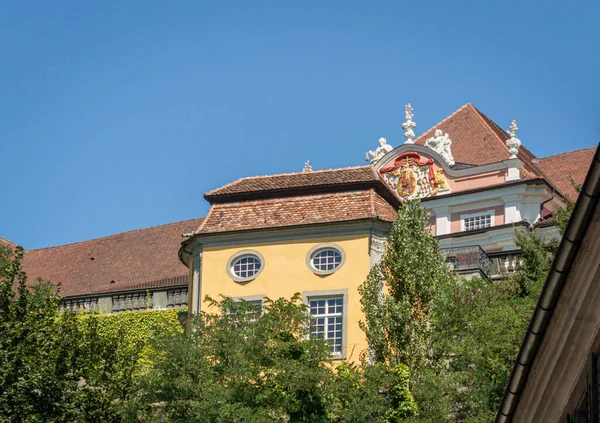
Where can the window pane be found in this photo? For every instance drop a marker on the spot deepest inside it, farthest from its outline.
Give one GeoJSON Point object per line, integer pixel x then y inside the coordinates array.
{"type": "Point", "coordinates": [328, 324]}
{"type": "Point", "coordinates": [246, 266]}
{"type": "Point", "coordinates": [326, 260]}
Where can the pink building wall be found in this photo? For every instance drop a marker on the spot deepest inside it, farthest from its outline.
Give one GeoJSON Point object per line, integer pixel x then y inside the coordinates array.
{"type": "Point", "coordinates": [455, 217]}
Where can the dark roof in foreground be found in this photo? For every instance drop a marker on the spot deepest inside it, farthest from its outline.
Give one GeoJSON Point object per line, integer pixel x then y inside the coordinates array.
{"type": "Point", "coordinates": [142, 258]}
{"type": "Point", "coordinates": [567, 253]}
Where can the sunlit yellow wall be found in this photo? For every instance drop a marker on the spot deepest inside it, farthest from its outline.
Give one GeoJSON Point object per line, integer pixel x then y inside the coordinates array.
{"type": "Point", "coordinates": [285, 273]}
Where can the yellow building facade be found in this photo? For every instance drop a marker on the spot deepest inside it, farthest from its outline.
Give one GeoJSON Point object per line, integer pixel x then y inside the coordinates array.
{"type": "Point", "coordinates": [323, 262]}
{"type": "Point", "coordinates": [287, 271]}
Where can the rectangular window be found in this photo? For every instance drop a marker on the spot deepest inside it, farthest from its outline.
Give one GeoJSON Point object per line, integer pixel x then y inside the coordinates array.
{"type": "Point", "coordinates": [327, 321]}
{"type": "Point", "coordinates": [252, 306]}
{"type": "Point", "coordinates": [475, 221]}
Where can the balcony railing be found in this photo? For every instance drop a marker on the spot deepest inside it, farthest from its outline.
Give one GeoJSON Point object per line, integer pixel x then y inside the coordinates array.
{"type": "Point", "coordinates": [469, 261]}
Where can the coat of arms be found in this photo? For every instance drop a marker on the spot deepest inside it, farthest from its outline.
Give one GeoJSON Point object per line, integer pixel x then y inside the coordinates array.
{"type": "Point", "coordinates": [413, 176]}
{"type": "Point", "coordinates": [407, 181]}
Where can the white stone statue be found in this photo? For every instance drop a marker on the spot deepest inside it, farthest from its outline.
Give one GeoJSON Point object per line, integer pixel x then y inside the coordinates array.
{"type": "Point", "coordinates": [440, 143]}
{"type": "Point", "coordinates": [513, 143]}
{"type": "Point", "coordinates": [382, 150]}
{"type": "Point", "coordinates": [409, 125]}
{"type": "Point", "coordinates": [307, 167]}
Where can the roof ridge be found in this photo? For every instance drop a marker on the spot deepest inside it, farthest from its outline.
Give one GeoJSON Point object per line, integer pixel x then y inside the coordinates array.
{"type": "Point", "coordinates": [285, 174]}
{"type": "Point", "coordinates": [564, 152]}
{"type": "Point", "coordinates": [443, 120]}
{"type": "Point", "coordinates": [112, 235]}
{"type": "Point", "coordinates": [480, 115]}
{"type": "Point", "coordinates": [210, 210]}
{"type": "Point", "coordinates": [301, 172]}
{"type": "Point", "coordinates": [8, 241]}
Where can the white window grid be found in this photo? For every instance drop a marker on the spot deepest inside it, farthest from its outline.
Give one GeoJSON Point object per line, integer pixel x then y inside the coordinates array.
{"type": "Point", "coordinates": [327, 260]}
{"type": "Point", "coordinates": [478, 222]}
{"type": "Point", "coordinates": [254, 306]}
{"type": "Point", "coordinates": [327, 321]}
{"type": "Point", "coordinates": [246, 266]}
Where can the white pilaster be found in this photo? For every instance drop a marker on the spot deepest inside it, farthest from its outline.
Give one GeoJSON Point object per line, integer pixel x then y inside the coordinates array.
{"type": "Point", "coordinates": [196, 282]}
{"type": "Point", "coordinates": [514, 169]}
{"type": "Point", "coordinates": [377, 249]}
{"type": "Point", "coordinates": [511, 209]}
{"type": "Point", "coordinates": [442, 221]}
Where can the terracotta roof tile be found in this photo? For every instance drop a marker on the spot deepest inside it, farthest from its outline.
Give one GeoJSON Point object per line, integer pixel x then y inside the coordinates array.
{"type": "Point", "coordinates": [561, 168]}
{"type": "Point", "coordinates": [383, 209]}
{"type": "Point", "coordinates": [287, 181]}
{"type": "Point", "coordinates": [476, 139]}
{"type": "Point", "coordinates": [142, 258]}
{"type": "Point", "coordinates": [298, 210]}
{"type": "Point", "coordinates": [6, 243]}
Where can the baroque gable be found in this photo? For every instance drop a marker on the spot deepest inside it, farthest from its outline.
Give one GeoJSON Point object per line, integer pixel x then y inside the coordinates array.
{"type": "Point", "coordinates": [413, 171]}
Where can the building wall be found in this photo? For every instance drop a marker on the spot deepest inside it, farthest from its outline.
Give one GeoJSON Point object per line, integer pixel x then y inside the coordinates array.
{"type": "Point", "coordinates": [455, 217]}
{"type": "Point", "coordinates": [286, 273]}
{"type": "Point", "coordinates": [465, 183]}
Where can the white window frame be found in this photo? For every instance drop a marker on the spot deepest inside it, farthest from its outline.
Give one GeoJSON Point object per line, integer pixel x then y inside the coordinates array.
{"type": "Point", "coordinates": [326, 295]}
{"type": "Point", "coordinates": [252, 299]}
{"type": "Point", "coordinates": [238, 255]}
{"type": "Point", "coordinates": [463, 217]}
{"type": "Point", "coordinates": [317, 249]}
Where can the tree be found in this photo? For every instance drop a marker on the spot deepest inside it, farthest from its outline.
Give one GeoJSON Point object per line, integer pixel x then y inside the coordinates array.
{"type": "Point", "coordinates": [238, 363]}
{"type": "Point", "coordinates": [52, 366]}
{"type": "Point", "coordinates": [460, 337]}
{"type": "Point", "coordinates": [399, 294]}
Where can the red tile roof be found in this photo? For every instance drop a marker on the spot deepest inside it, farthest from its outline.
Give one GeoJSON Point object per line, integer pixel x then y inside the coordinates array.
{"type": "Point", "coordinates": [288, 182]}
{"type": "Point", "coordinates": [298, 210]}
{"type": "Point", "coordinates": [6, 243]}
{"type": "Point", "coordinates": [476, 139]}
{"type": "Point", "coordinates": [564, 167]}
{"type": "Point", "coordinates": [143, 258]}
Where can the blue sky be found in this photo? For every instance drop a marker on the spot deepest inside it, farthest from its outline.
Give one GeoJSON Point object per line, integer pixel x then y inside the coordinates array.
{"type": "Point", "coordinates": [117, 115]}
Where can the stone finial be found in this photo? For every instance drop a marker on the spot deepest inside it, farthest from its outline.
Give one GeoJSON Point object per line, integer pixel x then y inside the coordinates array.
{"type": "Point", "coordinates": [409, 125]}
{"type": "Point", "coordinates": [307, 167]}
{"type": "Point", "coordinates": [513, 143]}
{"type": "Point", "coordinates": [374, 156]}
{"type": "Point", "coordinates": [441, 143]}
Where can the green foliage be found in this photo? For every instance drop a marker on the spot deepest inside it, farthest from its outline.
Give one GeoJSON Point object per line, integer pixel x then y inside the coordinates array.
{"type": "Point", "coordinates": [476, 327]}
{"type": "Point", "coordinates": [135, 329]}
{"type": "Point", "coordinates": [478, 334]}
{"type": "Point", "coordinates": [372, 393]}
{"type": "Point", "coordinates": [398, 296]}
{"type": "Point", "coordinates": [63, 367]}
{"type": "Point", "coordinates": [241, 364]}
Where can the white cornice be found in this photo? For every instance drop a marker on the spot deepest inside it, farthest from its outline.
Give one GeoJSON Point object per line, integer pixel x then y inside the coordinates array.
{"type": "Point", "coordinates": [455, 173]}
{"type": "Point", "coordinates": [275, 234]}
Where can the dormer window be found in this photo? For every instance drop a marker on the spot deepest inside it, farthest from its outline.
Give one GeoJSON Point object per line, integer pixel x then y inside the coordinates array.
{"type": "Point", "coordinates": [475, 221]}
